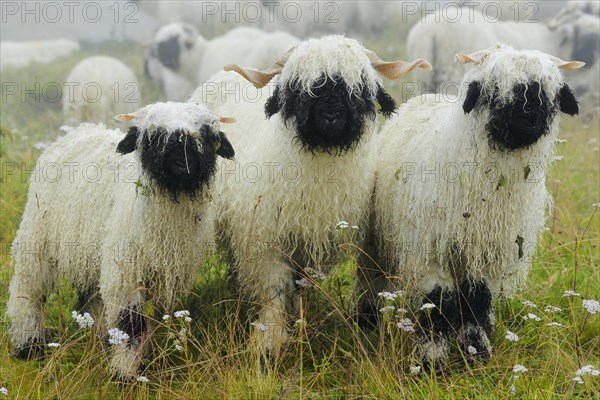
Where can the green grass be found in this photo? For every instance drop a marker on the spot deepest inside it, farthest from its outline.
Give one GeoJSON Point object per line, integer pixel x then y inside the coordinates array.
{"type": "Point", "coordinates": [328, 357]}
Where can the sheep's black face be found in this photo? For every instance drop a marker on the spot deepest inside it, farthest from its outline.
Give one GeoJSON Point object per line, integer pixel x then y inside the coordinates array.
{"type": "Point", "coordinates": [169, 52]}
{"type": "Point", "coordinates": [181, 164]}
{"type": "Point", "coordinates": [527, 118]}
{"type": "Point", "coordinates": [330, 120]}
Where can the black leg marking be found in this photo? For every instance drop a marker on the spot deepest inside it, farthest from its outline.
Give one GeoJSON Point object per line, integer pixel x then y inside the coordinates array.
{"type": "Point", "coordinates": [33, 350]}
{"type": "Point", "coordinates": [436, 326]}
{"type": "Point", "coordinates": [133, 323]}
{"type": "Point", "coordinates": [476, 313]}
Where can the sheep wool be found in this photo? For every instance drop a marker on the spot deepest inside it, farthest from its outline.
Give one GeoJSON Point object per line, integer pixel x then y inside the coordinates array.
{"type": "Point", "coordinates": [460, 200]}
{"type": "Point", "coordinates": [128, 217]}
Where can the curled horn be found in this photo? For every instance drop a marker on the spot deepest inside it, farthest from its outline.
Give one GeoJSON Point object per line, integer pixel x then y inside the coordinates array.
{"type": "Point", "coordinates": [568, 65]}
{"type": "Point", "coordinates": [261, 78]}
{"type": "Point", "coordinates": [476, 57]}
{"type": "Point", "coordinates": [395, 69]}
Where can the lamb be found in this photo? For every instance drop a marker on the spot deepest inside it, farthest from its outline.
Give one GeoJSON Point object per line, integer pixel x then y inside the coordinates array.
{"type": "Point", "coordinates": [460, 200]}
{"type": "Point", "coordinates": [21, 54]}
{"type": "Point", "coordinates": [124, 217]}
{"type": "Point", "coordinates": [302, 170]}
{"type": "Point", "coordinates": [97, 88]}
{"type": "Point", "coordinates": [188, 57]}
{"type": "Point", "coordinates": [439, 41]}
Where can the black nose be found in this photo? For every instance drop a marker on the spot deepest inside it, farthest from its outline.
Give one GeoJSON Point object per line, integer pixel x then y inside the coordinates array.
{"type": "Point", "coordinates": [331, 120]}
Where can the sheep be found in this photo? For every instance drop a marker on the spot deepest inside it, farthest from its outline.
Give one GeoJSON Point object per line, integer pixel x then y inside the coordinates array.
{"type": "Point", "coordinates": [21, 54]}
{"type": "Point", "coordinates": [310, 166]}
{"type": "Point", "coordinates": [123, 217]}
{"type": "Point", "coordinates": [97, 88]}
{"type": "Point", "coordinates": [460, 200]}
{"type": "Point", "coordinates": [439, 41]}
{"type": "Point", "coordinates": [193, 59]}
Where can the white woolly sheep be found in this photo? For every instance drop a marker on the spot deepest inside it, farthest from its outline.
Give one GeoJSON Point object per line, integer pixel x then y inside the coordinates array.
{"type": "Point", "coordinates": [460, 200]}
{"type": "Point", "coordinates": [192, 58]}
{"type": "Point", "coordinates": [439, 41]}
{"type": "Point", "coordinates": [310, 162]}
{"type": "Point", "coordinates": [125, 216]}
{"type": "Point", "coordinates": [97, 88]}
{"type": "Point", "coordinates": [21, 54]}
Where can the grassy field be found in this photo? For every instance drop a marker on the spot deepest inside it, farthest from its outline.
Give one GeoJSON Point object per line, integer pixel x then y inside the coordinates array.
{"type": "Point", "coordinates": [328, 357]}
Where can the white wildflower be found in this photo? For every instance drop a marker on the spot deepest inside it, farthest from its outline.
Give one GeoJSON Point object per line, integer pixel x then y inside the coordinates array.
{"type": "Point", "coordinates": [472, 350]}
{"type": "Point", "coordinates": [578, 380]}
{"type": "Point", "coordinates": [529, 304]}
{"type": "Point", "coordinates": [587, 370]}
{"type": "Point", "coordinates": [183, 332]}
{"type": "Point", "coordinates": [401, 311]}
{"type": "Point", "coordinates": [532, 316]}
{"type": "Point", "coordinates": [552, 309]}
{"type": "Point", "coordinates": [317, 275]}
{"type": "Point", "coordinates": [188, 319]}
{"type": "Point", "coordinates": [415, 370]}
{"type": "Point", "coordinates": [166, 317]}
{"type": "Point", "coordinates": [355, 227]}
{"type": "Point", "coordinates": [55, 345]}
{"type": "Point", "coordinates": [592, 306]}
{"type": "Point", "coordinates": [41, 146]}
{"type": "Point", "coordinates": [304, 283]}
{"type": "Point", "coordinates": [387, 295]}
{"type": "Point", "coordinates": [554, 324]}
{"type": "Point", "coordinates": [570, 293]}
{"type": "Point", "coordinates": [4, 391]}
{"type": "Point", "coordinates": [427, 306]}
{"type": "Point", "coordinates": [406, 325]}
{"type": "Point", "coordinates": [84, 321]}
{"type": "Point", "coordinates": [299, 322]}
{"type": "Point", "coordinates": [143, 379]}
{"type": "Point", "coordinates": [596, 205]}
{"type": "Point", "coordinates": [260, 326]}
{"type": "Point", "coordinates": [342, 225]}
{"type": "Point", "coordinates": [387, 308]}
{"type": "Point", "coordinates": [513, 390]}
{"type": "Point", "coordinates": [117, 336]}
{"type": "Point", "coordinates": [513, 337]}
{"type": "Point", "coordinates": [178, 347]}
{"type": "Point", "coordinates": [399, 293]}
{"type": "Point", "coordinates": [592, 141]}
{"type": "Point", "coordinates": [181, 314]}
{"type": "Point", "coordinates": [519, 368]}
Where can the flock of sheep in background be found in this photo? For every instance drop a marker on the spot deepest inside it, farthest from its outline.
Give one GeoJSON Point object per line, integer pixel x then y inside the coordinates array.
{"type": "Point", "coordinates": [459, 243]}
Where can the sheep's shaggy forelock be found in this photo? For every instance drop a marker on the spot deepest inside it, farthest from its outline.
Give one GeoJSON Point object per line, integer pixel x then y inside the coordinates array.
{"type": "Point", "coordinates": [504, 68]}
{"type": "Point", "coordinates": [333, 56]}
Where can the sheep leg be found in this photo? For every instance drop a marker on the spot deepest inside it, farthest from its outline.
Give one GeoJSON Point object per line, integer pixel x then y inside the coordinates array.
{"type": "Point", "coordinates": [436, 325]}
{"type": "Point", "coordinates": [276, 284]}
{"type": "Point", "coordinates": [477, 319]}
{"type": "Point", "coordinates": [25, 307]}
{"type": "Point", "coordinates": [128, 356]}
{"type": "Point", "coordinates": [90, 301]}
{"type": "Point", "coordinates": [371, 278]}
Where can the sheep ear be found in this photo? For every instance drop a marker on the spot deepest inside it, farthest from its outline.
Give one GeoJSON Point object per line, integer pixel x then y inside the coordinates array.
{"type": "Point", "coordinates": [272, 104]}
{"type": "Point", "coordinates": [473, 93]}
{"type": "Point", "coordinates": [473, 58]}
{"type": "Point", "coordinates": [223, 146]}
{"type": "Point", "coordinates": [129, 142]}
{"type": "Point", "coordinates": [567, 65]}
{"type": "Point", "coordinates": [567, 102]}
{"type": "Point", "coordinates": [395, 69]}
{"type": "Point", "coordinates": [261, 78]}
{"type": "Point", "coordinates": [387, 104]}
